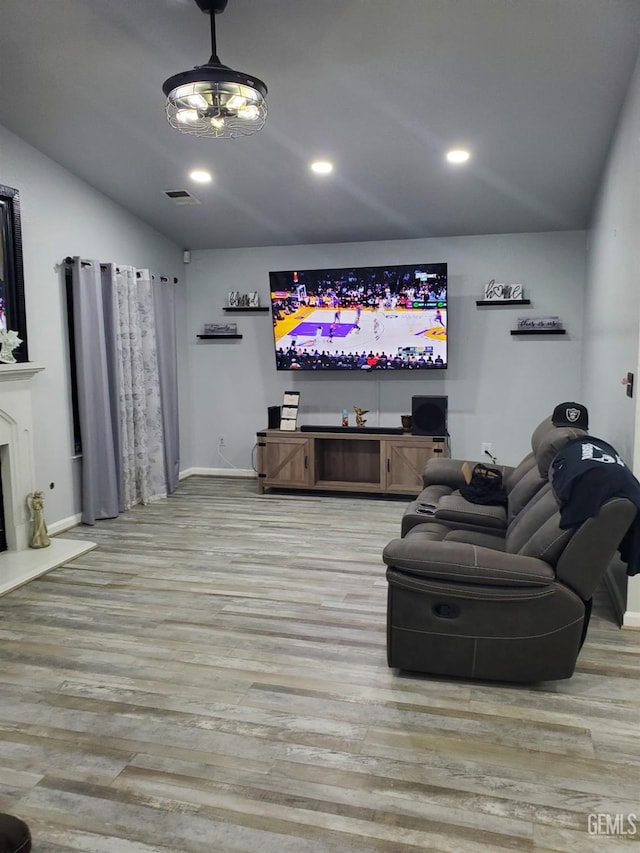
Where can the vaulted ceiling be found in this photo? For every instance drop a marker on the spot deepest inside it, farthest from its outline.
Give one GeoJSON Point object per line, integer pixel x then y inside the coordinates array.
{"type": "Point", "coordinates": [382, 88]}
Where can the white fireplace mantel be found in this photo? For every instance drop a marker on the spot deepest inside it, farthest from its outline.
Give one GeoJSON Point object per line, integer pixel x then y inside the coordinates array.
{"type": "Point", "coordinates": [19, 370]}
{"type": "Point", "coordinates": [20, 563]}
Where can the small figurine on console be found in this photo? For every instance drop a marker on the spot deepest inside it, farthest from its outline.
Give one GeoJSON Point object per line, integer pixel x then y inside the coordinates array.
{"type": "Point", "coordinates": [360, 420]}
{"type": "Point", "coordinates": [40, 536]}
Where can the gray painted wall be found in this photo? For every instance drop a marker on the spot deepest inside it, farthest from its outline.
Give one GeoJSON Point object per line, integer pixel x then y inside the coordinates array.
{"type": "Point", "coordinates": [499, 387]}
{"type": "Point", "coordinates": [61, 216]}
{"type": "Point", "coordinates": [612, 296]}
{"type": "Point", "coordinates": [612, 307]}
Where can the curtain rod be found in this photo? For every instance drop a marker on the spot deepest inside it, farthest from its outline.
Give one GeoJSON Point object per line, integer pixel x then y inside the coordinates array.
{"type": "Point", "coordinates": [69, 262]}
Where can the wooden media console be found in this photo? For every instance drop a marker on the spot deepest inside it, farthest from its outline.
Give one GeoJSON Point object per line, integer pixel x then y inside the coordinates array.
{"type": "Point", "coordinates": [345, 461]}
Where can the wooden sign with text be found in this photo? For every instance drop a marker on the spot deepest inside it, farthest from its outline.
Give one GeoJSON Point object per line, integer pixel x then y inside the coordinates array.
{"type": "Point", "coordinates": [497, 291]}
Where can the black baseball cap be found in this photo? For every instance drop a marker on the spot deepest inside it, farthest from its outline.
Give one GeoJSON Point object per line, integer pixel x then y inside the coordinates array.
{"type": "Point", "coordinates": [571, 415]}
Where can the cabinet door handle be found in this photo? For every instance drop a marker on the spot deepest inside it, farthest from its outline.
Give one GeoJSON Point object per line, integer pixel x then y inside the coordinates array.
{"type": "Point", "coordinates": [306, 462]}
{"type": "Point", "coordinates": [388, 465]}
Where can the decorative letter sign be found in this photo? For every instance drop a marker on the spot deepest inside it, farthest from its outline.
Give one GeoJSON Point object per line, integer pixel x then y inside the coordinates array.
{"type": "Point", "coordinates": [497, 292]}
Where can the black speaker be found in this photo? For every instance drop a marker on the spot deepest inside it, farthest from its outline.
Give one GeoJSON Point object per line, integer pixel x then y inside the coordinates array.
{"type": "Point", "coordinates": [429, 415]}
{"type": "Point", "coordinates": [273, 417]}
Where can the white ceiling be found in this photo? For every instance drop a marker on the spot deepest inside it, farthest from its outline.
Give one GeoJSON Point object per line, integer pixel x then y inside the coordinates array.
{"type": "Point", "coordinates": [381, 87]}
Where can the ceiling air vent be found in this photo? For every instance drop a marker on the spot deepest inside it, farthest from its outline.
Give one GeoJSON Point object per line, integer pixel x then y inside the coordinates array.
{"type": "Point", "coordinates": [181, 197]}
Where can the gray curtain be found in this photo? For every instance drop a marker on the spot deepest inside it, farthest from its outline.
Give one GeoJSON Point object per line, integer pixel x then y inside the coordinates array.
{"type": "Point", "coordinates": [96, 377]}
{"type": "Point", "coordinates": [164, 310]}
{"type": "Point", "coordinates": [127, 387]}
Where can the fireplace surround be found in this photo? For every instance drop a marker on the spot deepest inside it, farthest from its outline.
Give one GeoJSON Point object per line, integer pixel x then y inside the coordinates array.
{"type": "Point", "coordinates": [19, 563]}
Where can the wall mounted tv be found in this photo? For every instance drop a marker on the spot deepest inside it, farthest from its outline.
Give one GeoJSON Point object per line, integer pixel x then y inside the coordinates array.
{"type": "Point", "coordinates": [388, 318]}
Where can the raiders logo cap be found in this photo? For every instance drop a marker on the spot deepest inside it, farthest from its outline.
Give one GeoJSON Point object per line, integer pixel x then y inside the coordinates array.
{"type": "Point", "coordinates": [571, 414]}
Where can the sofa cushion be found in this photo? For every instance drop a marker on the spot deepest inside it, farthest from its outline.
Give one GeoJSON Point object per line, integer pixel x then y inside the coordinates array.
{"type": "Point", "coordinates": [553, 441]}
{"type": "Point", "coordinates": [547, 443]}
{"type": "Point", "coordinates": [529, 485]}
{"type": "Point", "coordinates": [431, 531]}
{"type": "Point", "coordinates": [454, 508]}
{"type": "Point", "coordinates": [536, 531]}
{"type": "Point", "coordinates": [512, 478]}
{"type": "Point", "coordinates": [454, 473]}
{"type": "Point", "coordinates": [496, 540]}
{"type": "Point", "coordinates": [539, 433]}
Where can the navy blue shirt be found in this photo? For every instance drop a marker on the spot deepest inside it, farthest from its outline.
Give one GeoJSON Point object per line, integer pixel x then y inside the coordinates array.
{"type": "Point", "coordinates": [584, 475]}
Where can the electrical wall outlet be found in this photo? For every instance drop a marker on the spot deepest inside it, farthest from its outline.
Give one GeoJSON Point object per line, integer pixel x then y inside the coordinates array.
{"type": "Point", "coordinates": [486, 447]}
{"type": "Point", "coordinates": [221, 442]}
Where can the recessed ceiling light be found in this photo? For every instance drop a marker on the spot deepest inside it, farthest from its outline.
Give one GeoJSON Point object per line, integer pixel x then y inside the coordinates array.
{"type": "Point", "coordinates": [322, 167]}
{"type": "Point", "coordinates": [200, 176]}
{"type": "Point", "coordinates": [458, 155]}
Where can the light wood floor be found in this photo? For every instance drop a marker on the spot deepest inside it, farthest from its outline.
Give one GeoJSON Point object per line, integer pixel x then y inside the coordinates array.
{"type": "Point", "coordinates": [213, 678]}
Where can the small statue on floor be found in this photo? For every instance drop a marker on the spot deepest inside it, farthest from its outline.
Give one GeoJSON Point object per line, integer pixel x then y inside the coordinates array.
{"type": "Point", "coordinates": [360, 420]}
{"type": "Point", "coordinates": [40, 536]}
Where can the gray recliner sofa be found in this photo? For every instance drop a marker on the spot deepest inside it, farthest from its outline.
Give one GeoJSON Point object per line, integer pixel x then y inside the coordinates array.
{"type": "Point", "coordinates": [440, 499]}
{"type": "Point", "coordinates": [507, 604]}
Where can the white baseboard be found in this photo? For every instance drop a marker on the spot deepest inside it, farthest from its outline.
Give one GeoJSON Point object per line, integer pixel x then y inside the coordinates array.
{"type": "Point", "coordinates": [245, 473]}
{"type": "Point", "coordinates": [631, 619]}
{"type": "Point", "coordinates": [64, 524]}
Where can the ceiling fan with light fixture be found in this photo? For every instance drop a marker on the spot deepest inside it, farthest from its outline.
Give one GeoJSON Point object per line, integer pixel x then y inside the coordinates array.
{"type": "Point", "coordinates": [212, 99]}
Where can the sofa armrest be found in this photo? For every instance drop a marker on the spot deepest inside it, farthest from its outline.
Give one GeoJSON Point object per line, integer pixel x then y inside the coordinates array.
{"type": "Point", "coordinates": [446, 472]}
{"type": "Point", "coordinates": [451, 472]}
{"type": "Point", "coordinates": [461, 562]}
{"type": "Point", "coordinates": [455, 509]}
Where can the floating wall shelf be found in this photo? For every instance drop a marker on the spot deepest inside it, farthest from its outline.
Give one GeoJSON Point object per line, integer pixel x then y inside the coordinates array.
{"type": "Point", "coordinates": [237, 309]}
{"type": "Point", "coordinates": [539, 332]}
{"type": "Point", "coordinates": [495, 302]}
{"type": "Point", "coordinates": [219, 337]}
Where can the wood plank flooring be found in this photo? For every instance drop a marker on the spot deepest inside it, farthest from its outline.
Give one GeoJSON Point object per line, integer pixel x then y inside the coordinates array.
{"type": "Point", "coordinates": [213, 678]}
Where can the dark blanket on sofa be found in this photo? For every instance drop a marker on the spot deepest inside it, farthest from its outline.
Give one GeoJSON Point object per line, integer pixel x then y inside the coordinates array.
{"type": "Point", "coordinates": [586, 473]}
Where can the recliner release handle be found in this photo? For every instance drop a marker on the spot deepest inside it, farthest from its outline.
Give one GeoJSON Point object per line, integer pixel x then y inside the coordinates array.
{"type": "Point", "coordinates": [446, 611]}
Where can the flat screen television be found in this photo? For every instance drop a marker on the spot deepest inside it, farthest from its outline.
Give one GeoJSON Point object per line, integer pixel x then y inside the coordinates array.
{"type": "Point", "coordinates": [388, 318]}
